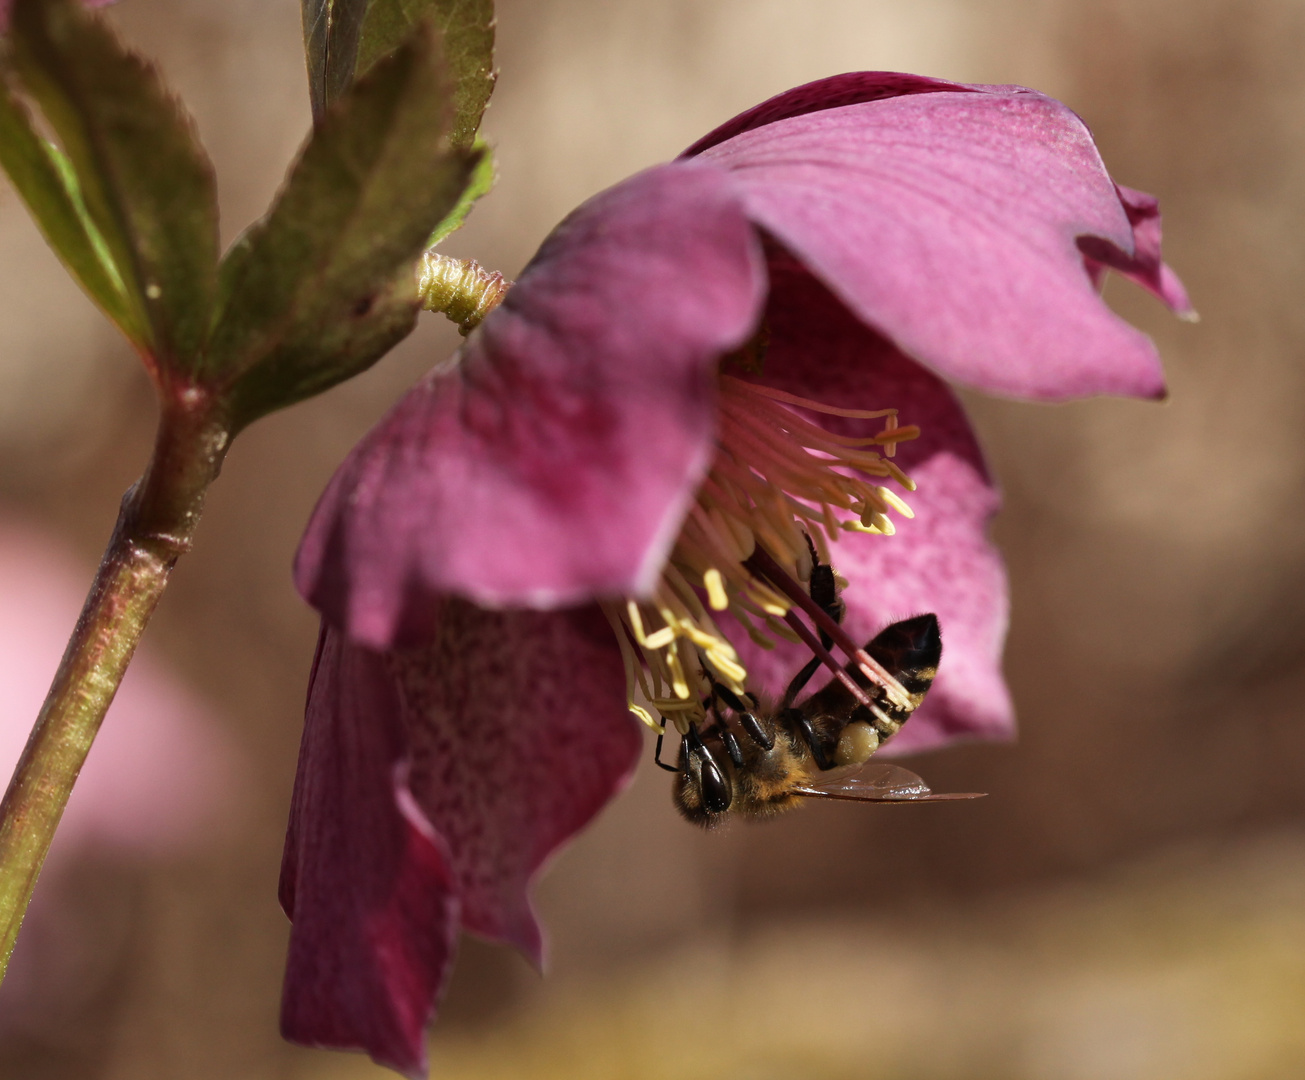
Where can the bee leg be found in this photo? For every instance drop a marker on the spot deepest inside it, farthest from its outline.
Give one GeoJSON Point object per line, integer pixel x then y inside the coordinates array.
{"type": "Point", "coordinates": [824, 591]}
{"type": "Point", "coordinates": [747, 717]}
{"type": "Point", "coordinates": [758, 734]}
{"type": "Point", "coordinates": [721, 727]}
{"type": "Point", "coordinates": [731, 746]}
{"type": "Point", "coordinates": [823, 588]}
{"type": "Point", "coordinates": [803, 724]}
{"type": "Point", "coordinates": [657, 753]}
{"type": "Point", "coordinates": [800, 680]}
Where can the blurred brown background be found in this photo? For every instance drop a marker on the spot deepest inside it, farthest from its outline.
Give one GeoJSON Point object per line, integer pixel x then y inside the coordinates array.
{"type": "Point", "coordinates": [1129, 903]}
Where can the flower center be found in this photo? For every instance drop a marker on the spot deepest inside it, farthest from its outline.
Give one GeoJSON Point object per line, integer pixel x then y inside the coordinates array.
{"type": "Point", "coordinates": [779, 494]}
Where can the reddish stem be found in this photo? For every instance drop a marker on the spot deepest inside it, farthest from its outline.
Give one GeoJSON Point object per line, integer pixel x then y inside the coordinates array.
{"type": "Point", "coordinates": [763, 565]}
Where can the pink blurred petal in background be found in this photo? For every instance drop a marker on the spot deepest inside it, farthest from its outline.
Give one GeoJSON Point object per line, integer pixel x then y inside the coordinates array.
{"type": "Point", "coordinates": [159, 779]}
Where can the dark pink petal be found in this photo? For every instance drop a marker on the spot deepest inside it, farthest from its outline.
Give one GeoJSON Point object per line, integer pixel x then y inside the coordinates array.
{"type": "Point", "coordinates": [1145, 266]}
{"type": "Point", "coordinates": [941, 561]}
{"type": "Point", "coordinates": [365, 880]}
{"type": "Point", "coordinates": [555, 462]}
{"type": "Point", "coordinates": [519, 735]}
{"type": "Point", "coordinates": [851, 88]}
{"type": "Point", "coordinates": [950, 222]}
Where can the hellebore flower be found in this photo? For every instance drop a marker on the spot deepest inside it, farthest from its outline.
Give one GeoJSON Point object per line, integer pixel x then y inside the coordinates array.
{"type": "Point", "coordinates": [713, 358]}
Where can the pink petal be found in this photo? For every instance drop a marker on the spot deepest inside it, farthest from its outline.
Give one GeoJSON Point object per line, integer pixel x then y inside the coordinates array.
{"type": "Point", "coordinates": [950, 222]}
{"type": "Point", "coordinates": [851, 88]}
{"type": "Point", "coordinates": [941, 561]}
{"type": "Point", "coordinates": [433, 785]}
{"type": "Point", "coordinates": [1145, 265]}
{"type": "Point", "coordinates": [556, 461]}
{"type": "Point", "coordinates": [519, 735]}
{"type": "Point", "coordinates": [366, 881]}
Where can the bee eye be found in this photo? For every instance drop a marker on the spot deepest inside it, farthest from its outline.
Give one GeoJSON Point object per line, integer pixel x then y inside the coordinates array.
{"type": "Point", "coordinates": [855, 745]}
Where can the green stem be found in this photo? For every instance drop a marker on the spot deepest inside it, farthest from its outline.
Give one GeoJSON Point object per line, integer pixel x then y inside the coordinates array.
{"type": "Point", "coordinates": [155, 527]}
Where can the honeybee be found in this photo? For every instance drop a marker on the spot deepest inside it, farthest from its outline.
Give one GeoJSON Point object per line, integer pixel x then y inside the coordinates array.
{"type": "Point", "coordinates": [816, 749]}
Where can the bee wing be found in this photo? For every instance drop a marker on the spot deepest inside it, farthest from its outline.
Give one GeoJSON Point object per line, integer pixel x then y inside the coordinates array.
{"type": "Point", "coordinates": [878, 783]}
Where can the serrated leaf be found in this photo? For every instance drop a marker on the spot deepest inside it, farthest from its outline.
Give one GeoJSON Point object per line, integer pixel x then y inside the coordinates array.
{"type": "Point", "coordinates": [146, 184]}
{"type": "Point", "coordinates": [323, 285]}
{"type": "Point", "coordinates": [481, 181]}
{"type": "Point", "coordinates": [331, 29]}
{"type": "Point", "coordinates": [467, 27]}
{"type": "Point", "coordinates": [45, 181]}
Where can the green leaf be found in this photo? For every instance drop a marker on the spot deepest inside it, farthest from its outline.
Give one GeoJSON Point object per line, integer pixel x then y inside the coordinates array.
{"type": "Point", "coordinates": [331, 30]}
{"type": "Point", "coordinates": [45, 180]}
{"type": "Point", "coordinates": [482, 180]}
{"type": "Point", "coordinates": [324, 285]}
{"type": "Point", "coordinates": [145, 183]}
{"type": "Point", "coordinates": [467, 27]}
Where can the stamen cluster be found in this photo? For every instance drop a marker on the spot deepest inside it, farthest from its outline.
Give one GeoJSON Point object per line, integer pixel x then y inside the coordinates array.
{"type": "Point", "coordinates": [777, 480]}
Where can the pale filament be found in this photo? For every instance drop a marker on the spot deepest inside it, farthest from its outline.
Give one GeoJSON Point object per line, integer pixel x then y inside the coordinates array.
{"type": "Point", "coordinates": [777, 479]}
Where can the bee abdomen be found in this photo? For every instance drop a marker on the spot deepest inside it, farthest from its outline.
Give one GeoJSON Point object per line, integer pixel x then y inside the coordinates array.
{"type": "Point", "coordinates": [911, 650]}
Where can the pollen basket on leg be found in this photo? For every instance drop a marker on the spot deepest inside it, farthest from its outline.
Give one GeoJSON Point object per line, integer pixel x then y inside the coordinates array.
{"type": "Point", "coordinates": [779, 482]}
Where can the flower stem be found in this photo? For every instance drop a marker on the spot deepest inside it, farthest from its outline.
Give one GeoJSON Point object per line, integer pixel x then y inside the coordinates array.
{"type": "Point", "coordinates": [155, 526]}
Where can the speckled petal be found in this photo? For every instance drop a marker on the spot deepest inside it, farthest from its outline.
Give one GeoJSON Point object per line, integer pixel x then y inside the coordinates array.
{"type": "Point", "coordinates": [941, 561]}
{"type": "Point", "coordinates": [951, 221]}
{"type": "Point", "coordinates": [556, 461]}
{"type": "Point", "coordinates": [366, 881]}
{"type": "Point", "coordinates": [519, 736]}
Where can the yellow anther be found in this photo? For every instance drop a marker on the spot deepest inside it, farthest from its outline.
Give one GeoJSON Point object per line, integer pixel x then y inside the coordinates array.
{"type": "Point", "coordinates": [636, 620]}
{"type": "Point", "coordinates": [779, 481]}
{"type": "Point", "coordinates": [893, 500]}
{"type": "Point", "coordinates": [679, 684]}
{"type": "Point", "coordinates": [714, 583]}
{"type": "Point", "coordinates": [768, 600]}
{"type": "Point", "coordinates": [644, 715]}
{"type": "Point", "coordinates": [658, 640]}
{"type": "Point", "coordinates": [899, 476]}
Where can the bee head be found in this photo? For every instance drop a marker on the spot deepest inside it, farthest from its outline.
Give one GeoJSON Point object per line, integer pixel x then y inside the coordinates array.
{"type": "Point", "coordinates": [703, 790]}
